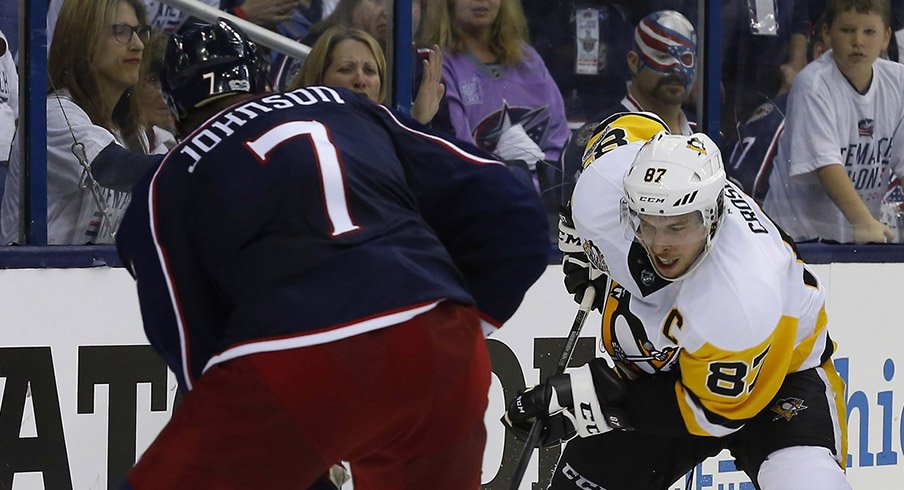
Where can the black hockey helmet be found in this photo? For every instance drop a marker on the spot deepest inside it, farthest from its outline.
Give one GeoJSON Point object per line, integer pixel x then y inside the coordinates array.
{"type": "Point", "coordinates": [210, 62]}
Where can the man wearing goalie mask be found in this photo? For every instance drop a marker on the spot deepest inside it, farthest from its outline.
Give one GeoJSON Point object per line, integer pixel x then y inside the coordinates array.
{"type": "Point", "coordinates": [717, 329]}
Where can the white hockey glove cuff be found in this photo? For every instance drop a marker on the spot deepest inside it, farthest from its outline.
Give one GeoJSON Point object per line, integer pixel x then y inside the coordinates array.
{"type": "Point", "coordinates": [580, 402]}
{"type": "Point", "coordinates": [587, 415]}
{"type": "Point", "coordinates": [569, 241]}
{"type": "Point", "coordinates": [579, 270]}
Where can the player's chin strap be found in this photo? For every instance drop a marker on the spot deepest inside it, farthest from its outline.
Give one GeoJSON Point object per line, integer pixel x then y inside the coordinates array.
{"type": "Point", "coordinates": [87, 180]}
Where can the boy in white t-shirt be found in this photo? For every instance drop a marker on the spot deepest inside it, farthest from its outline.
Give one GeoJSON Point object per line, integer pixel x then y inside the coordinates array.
{"type": "Point", "coordinates": [843, 134]}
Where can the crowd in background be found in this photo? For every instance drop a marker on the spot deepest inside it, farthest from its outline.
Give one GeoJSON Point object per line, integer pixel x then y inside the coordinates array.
{"type": "Point", "coordinates": [525, 79]}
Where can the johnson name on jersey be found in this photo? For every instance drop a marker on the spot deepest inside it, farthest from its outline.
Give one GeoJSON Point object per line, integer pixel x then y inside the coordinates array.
{"type": "Point", "coordinates": [750, 313]}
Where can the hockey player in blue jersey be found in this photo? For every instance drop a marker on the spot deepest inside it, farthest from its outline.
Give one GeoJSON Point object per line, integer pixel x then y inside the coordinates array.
{"type": "Point", "coordinates": [318, 271]}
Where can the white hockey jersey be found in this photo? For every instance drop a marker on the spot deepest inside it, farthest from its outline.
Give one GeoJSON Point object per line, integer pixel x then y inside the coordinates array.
{"type": "Point", "coordinates": [750, 313]}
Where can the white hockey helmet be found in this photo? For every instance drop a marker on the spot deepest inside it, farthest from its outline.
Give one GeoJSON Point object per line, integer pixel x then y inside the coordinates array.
{"type": "Point", "coordinates": [674, 175]}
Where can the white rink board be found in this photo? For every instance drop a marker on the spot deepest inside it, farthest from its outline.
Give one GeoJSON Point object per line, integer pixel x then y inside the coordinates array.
{"type": "Point", "coordinates": [55, 312]}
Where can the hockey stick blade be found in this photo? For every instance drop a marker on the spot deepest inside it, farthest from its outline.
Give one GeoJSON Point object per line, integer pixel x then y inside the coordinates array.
{"type": "Point", "coordinates": [533, 437]}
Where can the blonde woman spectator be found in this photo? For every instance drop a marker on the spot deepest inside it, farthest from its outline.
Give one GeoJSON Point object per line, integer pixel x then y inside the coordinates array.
{"type": "Point", "coordinates": [159, 15]}
{"type": "Point", "coordinates": [369, 16]}
{"type": "Point", "coordinates": [266, 13]}
{"type": "Point", "coordinates": [351, 58]}
{"type": "Point", "coordinates": [345, 57]}
{"type": "Point", "coordinates": [96, 148]}
{"type": "Point", "coordinates": [500, 94]}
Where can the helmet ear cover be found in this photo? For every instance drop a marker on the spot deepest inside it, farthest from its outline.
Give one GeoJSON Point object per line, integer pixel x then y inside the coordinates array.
{"type": "Point", "coordinates": [208, 63]}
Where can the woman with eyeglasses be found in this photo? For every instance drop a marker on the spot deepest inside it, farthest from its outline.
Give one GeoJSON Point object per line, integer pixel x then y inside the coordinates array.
{"type": "Point", "coordinates": [96, 147]}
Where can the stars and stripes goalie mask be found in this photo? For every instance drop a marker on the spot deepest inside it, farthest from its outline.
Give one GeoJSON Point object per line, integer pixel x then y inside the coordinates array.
{"type": "Point", "coordinates": [675, 175]}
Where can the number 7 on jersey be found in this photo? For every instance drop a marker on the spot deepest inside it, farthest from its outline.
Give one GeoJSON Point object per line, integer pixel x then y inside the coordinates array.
{"type": "Point", "coordinates": [332, 182]}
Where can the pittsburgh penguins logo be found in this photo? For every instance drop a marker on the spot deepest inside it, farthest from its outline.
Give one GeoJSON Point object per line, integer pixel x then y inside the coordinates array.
{"type": "Point", "coordinates": [696, 144]}
{"type": "Point", "coordinates": [787, 408]}
{"type": "Point", "coordinates": [626, 340]}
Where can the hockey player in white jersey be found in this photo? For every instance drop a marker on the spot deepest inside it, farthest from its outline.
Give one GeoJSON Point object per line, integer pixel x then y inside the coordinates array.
{"type": "Point", "coordinates": [716, 326]}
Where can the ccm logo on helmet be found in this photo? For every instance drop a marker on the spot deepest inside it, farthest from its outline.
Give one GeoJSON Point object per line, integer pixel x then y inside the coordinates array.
{"type": "Point", "coordinates": [654, 200]}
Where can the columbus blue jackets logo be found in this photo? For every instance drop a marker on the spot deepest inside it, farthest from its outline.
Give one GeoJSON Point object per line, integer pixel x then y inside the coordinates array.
{"type": "Point", "coordinates": [535, 122]}
{"type": "Point", "coordinates": [760, 112]}
{"type": "Point", "coordinates": [865, 127]}
{"type": "Point", "coordinates": [787, 408]}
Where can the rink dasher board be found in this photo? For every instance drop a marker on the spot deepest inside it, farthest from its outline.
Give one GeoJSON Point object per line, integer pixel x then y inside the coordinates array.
{"type": "Point", "coordinates": [74, 362]}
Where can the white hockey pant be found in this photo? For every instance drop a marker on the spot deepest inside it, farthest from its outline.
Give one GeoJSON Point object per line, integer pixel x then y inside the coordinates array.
{"type": "Point", "coordinates": [801, 467]}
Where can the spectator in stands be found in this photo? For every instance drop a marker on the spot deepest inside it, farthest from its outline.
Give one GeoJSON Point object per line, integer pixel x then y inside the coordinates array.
{"type": "Point", "coordinates": [160, 15]}
{"type": "Point", "coordinates": [266, 13]}
{"type": "Point", "coordinates": [9, 107]}
{"type": "Point", "coordinates": [763, 49]}
{"type": "Point", "coordinates": [750, 164]}
{"type": "Point", "coordinates": [583, 43]}
{"type": "Point", "coordinates": [303, 18]}
{"type": "Point", "coordinates": [159, 123]}
{"type": "Point", "coordinates": [662, 63]}
{"type": "Point", "coordinates": [500, 95]}
{"type": "Point", "coordinates": [351, 58]}
{"type": "Point", "coordinates": [345, 57]}
{"type": "Point", "coordinates": [369, 16]}
{"type": "Point", "coordinates": [9, 102]}
{"type": "Point", "coordinates": [842, 133]}
{"type": "Point", "coordinates": [168, 18]}
{"type": "Point", "coordinates": [96, 148]}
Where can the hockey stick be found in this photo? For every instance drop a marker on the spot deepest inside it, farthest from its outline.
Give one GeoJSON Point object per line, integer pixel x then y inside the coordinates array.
{"type": "Point", "coordinates": [533, 437]}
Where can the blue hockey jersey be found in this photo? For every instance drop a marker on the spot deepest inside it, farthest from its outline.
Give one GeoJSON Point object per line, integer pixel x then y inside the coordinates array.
{"type": "Point", "coordinates": [305, 217]}
{"type": "Point", "coordinates": [750, 164]}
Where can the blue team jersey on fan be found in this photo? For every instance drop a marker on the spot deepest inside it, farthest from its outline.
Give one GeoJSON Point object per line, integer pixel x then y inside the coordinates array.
{"type": "Point", "coordinates": [751, 159]}
{"type": "Point", "coordinates": [305, 217]}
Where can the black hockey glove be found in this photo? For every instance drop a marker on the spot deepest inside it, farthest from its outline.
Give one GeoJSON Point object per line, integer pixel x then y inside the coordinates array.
{"type": "Point", "coordinates": [577, 403]}
{"type": "Point", "coordinates": [579, 272]}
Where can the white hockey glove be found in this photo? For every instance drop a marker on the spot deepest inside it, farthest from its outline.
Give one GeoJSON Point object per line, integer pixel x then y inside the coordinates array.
{"type": "Point", "coordinates": [579, 271]}
{"type": "Point", "coordinates": [580, 402]}
{"type": "Point", "coordinates": [515, 144]}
